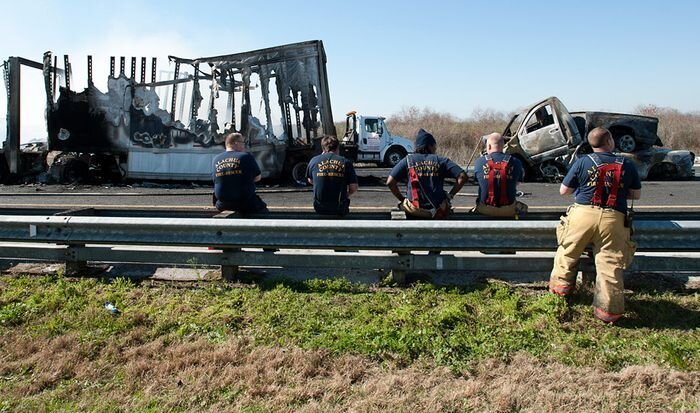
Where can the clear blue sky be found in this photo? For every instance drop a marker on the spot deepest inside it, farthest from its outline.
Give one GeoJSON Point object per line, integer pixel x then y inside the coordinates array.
{"type": "Point", "coordinates": [451, 56]}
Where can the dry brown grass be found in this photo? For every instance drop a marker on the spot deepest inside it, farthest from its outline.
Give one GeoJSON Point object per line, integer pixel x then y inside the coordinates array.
{"type": "Point", "coordinates": [678, 130]}
{"type": "Point", "coordinates": [456, 137]}
{"type": "Point", "coordinates": [236, 375]}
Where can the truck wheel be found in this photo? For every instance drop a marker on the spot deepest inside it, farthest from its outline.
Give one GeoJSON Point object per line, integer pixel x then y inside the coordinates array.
{"type": "Point", "coordinates": [663, 171]}
{"type": "Point", "coordinates": [298, 173]}
{"type": "Point", "coordinates": [4, 170]}
{"type": "Point", "coordinates": [626, 143]}
{"type": "Point", "coordinates": [394, 156]}
{"type": "Point", "coordinates": [552, 172]}
{"type": "Point", "coordinates": [75, 171]}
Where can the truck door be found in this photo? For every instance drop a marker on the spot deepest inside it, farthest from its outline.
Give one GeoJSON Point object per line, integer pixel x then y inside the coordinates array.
{"type": "Point", "coordinates": [541, 133]}
{"type": "Point", "coordinates": [568, 123]}
{"type": "Point", "coordinates": [370, 138]}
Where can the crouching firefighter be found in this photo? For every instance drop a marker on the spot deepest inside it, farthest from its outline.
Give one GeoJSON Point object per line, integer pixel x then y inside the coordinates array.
{"type": "Point", "coordinates": [603, 183]}
{"type": "Point", "coordinates": [425, 173]}
{"type": "Point", "coordinates": [498, 175]}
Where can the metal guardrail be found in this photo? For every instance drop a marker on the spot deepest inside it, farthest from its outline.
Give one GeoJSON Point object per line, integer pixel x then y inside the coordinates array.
{"type": "Point", "coordinates": [210, 212]}
{"type": "Point", "coordinates": [660, 235]}
{"type": "Point", "coordinates": [385, 244]}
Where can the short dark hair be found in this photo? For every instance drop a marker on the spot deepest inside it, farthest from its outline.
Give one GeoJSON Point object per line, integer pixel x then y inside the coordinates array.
{"type": "Point", "coordinates": [598, 137]}
{"type": "Point", "coordinates": [232, 138]}
{"type": "Point", "coordinates": [329, 143]}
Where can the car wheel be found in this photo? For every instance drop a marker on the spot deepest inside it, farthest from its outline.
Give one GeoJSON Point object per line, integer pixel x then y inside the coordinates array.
{"type": "Point", "coordinates": [626, 143]}
{"type": "Point", "coordinates": [393, 156]}
{"type": "Point", "coordinates": [298, 173]}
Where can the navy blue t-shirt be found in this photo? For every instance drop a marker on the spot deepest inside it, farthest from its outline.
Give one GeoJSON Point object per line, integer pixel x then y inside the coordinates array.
{"type": "Point", "coordinates": [331, 174]}
{"type": "Point", "coordinates": [514, 174]}
{"type": "Point", "coordinates": [432, 171]}
{"type": "Point", "coordinates": [234, 176]}
{"type": "Point", "coordinates": [583, 176]}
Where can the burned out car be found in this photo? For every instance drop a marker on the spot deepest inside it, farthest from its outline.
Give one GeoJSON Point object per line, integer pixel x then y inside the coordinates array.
{"type": "Point", "coordinates": [548, 139]}
{"type": "Point", "coordinates": [630, 132]}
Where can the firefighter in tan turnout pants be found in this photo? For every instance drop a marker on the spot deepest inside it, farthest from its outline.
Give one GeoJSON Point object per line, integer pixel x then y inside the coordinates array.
{"type": "Point", "coordinates": [603, 182]}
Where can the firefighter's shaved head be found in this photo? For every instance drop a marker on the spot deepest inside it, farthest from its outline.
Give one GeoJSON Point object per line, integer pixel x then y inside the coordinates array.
{"type": "Point", "coordinates": [232, 139]}
{"type": "Point", "coordinates": [599, 137]}
{"type": "Point", "coordinates": [494, 143]}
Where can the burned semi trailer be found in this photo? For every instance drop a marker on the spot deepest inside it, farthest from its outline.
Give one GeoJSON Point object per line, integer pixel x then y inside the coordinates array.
{"type": "Point", "coordinates": [276, 97]}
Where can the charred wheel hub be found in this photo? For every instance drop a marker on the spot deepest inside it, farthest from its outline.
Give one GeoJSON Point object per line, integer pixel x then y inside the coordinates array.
{"type": "Point", "coordinates": [626, 143]}
{"type": "Point", "coordinates": [552, 172]}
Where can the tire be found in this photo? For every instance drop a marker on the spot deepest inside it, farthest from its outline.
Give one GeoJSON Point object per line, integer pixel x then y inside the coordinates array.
{"type": "Point", "coordinates": [663, 171]}
{"type": "Point", "coordinates": [4, 170]}
{"type": "Point", "coordinates": [393, 156]}
{"type": "Point", "coordinates": [552, 172]}
{"type": "Point", "coordinates": [298, 173]}
{"type": "Point", "coordinates": [626, 143]}
{"type": "Point", "coordinates": [75, 171]}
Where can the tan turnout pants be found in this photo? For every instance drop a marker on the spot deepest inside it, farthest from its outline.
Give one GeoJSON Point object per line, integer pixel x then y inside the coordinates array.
{"type": "Point", "coordinates": [605, 229]}
{"type": "Point", "coordinates": [516, 209]}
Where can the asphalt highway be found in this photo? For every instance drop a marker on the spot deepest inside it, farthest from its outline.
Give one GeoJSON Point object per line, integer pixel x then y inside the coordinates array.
{"type": "Point", "coordinates": [373, 195]}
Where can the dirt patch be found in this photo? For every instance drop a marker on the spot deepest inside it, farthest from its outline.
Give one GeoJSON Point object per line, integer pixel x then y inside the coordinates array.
{"type": "Point", "coordinates": [236, 374]}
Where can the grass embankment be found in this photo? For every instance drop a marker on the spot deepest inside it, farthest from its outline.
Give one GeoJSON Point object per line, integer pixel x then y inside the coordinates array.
{"type": "Point", "coordinates": [337, 346]}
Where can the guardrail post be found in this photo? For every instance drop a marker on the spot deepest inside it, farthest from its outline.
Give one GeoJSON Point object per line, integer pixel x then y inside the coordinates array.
{"type": "Point", "coordinates": [74, 266]}
{"type": "Point", "coordinates": [230, 272]}
{"type": "Point", "coordinates": [398, 275]}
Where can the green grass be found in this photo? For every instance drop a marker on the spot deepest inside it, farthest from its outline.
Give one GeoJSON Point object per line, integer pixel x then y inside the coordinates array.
{"type": "Point", "coordinates": [286, 346]}
{"type": "Point", "coordinates": [449, 326]}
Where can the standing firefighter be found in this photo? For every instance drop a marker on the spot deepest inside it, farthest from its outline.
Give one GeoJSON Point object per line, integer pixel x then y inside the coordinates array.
{"type": "Point", "coordinates": [333, 178]}
{"type": "Point", "coordinates": [425, 172]}
{"type": "Point", "coordinates": [235, 173]}
{"type": "Point", "coordinates": [603, 183]}
{"type": "Point", "coordinates": [498, 175]}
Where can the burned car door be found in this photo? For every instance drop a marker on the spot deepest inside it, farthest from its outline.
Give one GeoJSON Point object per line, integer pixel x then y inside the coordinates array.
{"type": "Point", "coordinates": [548, 131]}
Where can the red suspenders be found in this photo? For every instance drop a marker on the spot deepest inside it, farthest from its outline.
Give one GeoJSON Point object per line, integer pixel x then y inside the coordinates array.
{"type": "Point", "coordinates": [497, 170]}
{"type": "Point", "coordinates": [413, 178]}
{"type": "Point", "coordinates": [415, 184]}
{"type": "Point", "coordinates": [605, 170]}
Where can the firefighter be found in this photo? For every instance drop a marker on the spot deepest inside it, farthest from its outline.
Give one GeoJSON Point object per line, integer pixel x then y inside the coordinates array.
{"type": "Point", "coordinates": [235, 173]}
{"type": "Point", "coordinates": [425, 173]}
{"type": "Point", "coordinates": [498, 175]}
{"type": "Point", "coordinates": [603, 182]}
{"type": "Point", "coordinates": [333, 178]}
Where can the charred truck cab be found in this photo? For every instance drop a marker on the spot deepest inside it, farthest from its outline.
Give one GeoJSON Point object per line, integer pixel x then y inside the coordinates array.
{"type": "Point", "coordinates": [367, 139]}
{"type": "Point", "coordinates": [548, 139]}
{"type": "Point", "coordinates": [544, 138]}
{"type": "Point", "coordinates": [276, 97]}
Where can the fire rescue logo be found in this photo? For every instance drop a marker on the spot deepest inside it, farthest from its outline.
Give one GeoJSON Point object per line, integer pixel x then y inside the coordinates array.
{"type": "Point", "coordinates": [593, 173]}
